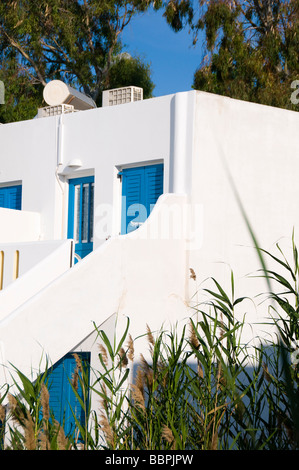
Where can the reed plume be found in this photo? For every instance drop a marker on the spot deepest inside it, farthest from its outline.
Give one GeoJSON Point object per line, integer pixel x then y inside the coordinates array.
{"type": "Point", "coordinates": [130, 346]}
{"type": "Point", "coordinates": [107, 430]}
{"type": "Point", "coordinates": [45, 402]}
{"type": "Point", "coordinates": [78, 361]}
{"type": "Point", "coordinates": [103, 354]}
{"type": "Point", "coordinates": [150, 336]}
{"type": "Point", "coordinates": [138, 397]}
{"type": "Point", "coordinates": [75, 379]}
{"type": "Point", "coordinates": [168, 436]}
{"type": "Point", "coordinates": [29, 431]}
{"type": "Point", "coordinates": [192, 274]}
{"type": "Point", "coordinates": [147, 371]}
{"type": "Point", "coordinates": [62, 442]}
{"type": "Point", "coordinates": [140, 380]}
{"type": "Point", "coordinates": [2, 413]}
{"type": "Point", "coordinates": [44, 442]}
{"type": "Point", "coordinates": [193, 337]}
{"type": "Point", "coordinates": [123, 358]}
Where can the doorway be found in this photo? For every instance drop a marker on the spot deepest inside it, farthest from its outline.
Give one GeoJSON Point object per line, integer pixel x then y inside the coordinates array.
{"type": "Point", "coordinates": [81, 214]}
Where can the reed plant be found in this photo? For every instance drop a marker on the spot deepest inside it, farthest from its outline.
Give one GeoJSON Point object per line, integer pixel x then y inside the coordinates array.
{"type": "Point", "coordinates": [283, 300]}
{"type": "Point", "coordinates": [160, 392]}
{"type": "Point", "coordinates": [30, 422]}
{"type": "Point", "coordinates": [197, 387]}
{"type": "Point", "coordinates": [111, 386]}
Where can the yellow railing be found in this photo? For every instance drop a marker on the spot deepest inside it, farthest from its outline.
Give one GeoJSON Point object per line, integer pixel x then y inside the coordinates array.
{"type": "Point", "coordinates": [16, 264]}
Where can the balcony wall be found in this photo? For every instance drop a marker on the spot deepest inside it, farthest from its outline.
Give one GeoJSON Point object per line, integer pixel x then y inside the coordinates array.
{"type": "Point", "coordinates": [27, 268]}
{"type": "Point", "coordinates": [19, 226]}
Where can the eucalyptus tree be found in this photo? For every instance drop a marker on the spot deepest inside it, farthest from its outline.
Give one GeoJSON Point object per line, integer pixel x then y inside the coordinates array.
{"type": "Point", "coordinates": [250, 47]}
{"type": "Point", "coordinates": [76, 41]}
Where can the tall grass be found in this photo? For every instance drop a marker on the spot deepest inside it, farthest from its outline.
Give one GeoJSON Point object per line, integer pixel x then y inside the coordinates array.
{"type": "Point", "coordinates": [197, 388]}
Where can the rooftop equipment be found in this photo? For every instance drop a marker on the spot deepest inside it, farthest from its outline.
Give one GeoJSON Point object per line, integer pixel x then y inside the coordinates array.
{"type": "Point", "coordinates": [55, 110]}
{"type": "Point", "coordinates": [122, 95]}
{"type": "Point", "coordinates": [57, 93]}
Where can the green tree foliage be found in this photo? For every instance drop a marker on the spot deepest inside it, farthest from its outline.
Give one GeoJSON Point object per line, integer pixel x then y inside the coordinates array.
{"type": "Point", "coordinates": [76, 41]}
{"type": "Point", "coordinates": [129, 70]}
{"type": "Point", "coordinates": [22, 97]}
{"type": "Point", "coordinates": [252, 47]}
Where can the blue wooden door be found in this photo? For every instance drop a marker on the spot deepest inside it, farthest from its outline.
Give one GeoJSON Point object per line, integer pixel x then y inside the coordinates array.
{"type": "Point", "coordinates": [141, 187]}
{"type": "Point", "coordinates": [63, 401]}
{"type": "Point", "coordinates": [11, 197]}
{"type": "Point", "coordinates": [80, 215]}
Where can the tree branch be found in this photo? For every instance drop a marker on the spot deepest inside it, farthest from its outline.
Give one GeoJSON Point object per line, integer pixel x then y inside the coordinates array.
{"type": "Point", "coordinates": [20, 49]}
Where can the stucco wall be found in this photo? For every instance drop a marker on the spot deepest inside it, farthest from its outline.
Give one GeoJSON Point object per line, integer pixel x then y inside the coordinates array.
{"type": "Point", "coordinates": [108, 139]}
{"type": "Point", "coordinates": [257, 147]}
{"type": "Point", "coordinates": [122, 275]}
{"type": "Point", "coordinates": [28, 154]}
{"type": "Point", "coordinates": [39, 264]}
{"type": "Point", "coordinates": [132, 275]}
{"type": "Point", "coordinates": [37, 153]}
{"type": "Point", "coordinates": [198, 136]}
{"type": "Point", "coordinates": [19, 226]}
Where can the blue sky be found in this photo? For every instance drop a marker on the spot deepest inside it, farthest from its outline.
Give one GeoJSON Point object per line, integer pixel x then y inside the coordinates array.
{"type": "Point", "coordinates": [172, 56]}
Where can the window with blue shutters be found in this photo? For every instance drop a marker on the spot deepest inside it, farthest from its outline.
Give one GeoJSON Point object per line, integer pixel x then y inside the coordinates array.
{"type": "Point", "coordinates": [63, 401]}
{"type": "Point", "coordinates": [11, 197]}
{"type": "Point", "coordinates": [80, 216]}
{"type": "Point", "coordinates": [141, 187]}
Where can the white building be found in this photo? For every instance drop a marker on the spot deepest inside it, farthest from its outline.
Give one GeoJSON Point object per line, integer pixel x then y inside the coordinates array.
{"type": "Point", "coordinates": [84, 183]}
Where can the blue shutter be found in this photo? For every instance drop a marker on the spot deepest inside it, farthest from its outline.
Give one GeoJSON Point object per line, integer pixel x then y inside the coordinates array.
{"type": "Point", "coordinates": [2, 198]}
{"type": "Point", "coordinates": [11, 197]}
{"type": "Point", "coordinates": [63, 401]}
{"type": "Point", "coordinates": [153, 184]}
{"type": "Point", "coordinates": [15, 197]}
{"type": "Point", "coordinates": [134, 211]}
{"type": "Point", "coordinates": [141, 187]}
{"type": "Point", "coordinates": [81, 214]}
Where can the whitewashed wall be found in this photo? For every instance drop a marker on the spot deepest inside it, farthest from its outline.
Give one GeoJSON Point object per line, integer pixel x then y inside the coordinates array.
{"type": "Point", "coordinates": [28, 154]}
{"type": "Point", "coordinates": [258, 146]}
{"type": "Point", "coordinates": [19, 226]}
{"type": "Point", "coordinates": [132, 275]}
{"type": "Point", "coordinates": [39, 264]}
{"type": "Point", "coordinates": [105, 139]}
{"type": "Point", "coordinates": [37, 153]}
{"type": "Point", "coordinates": [195, 134]}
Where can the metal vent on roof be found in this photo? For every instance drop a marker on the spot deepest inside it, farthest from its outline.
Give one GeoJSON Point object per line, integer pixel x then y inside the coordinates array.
{"type": "Point", "coordinates": [55, 110]}
{"type": "Point", "coordinates": [122, 95]}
